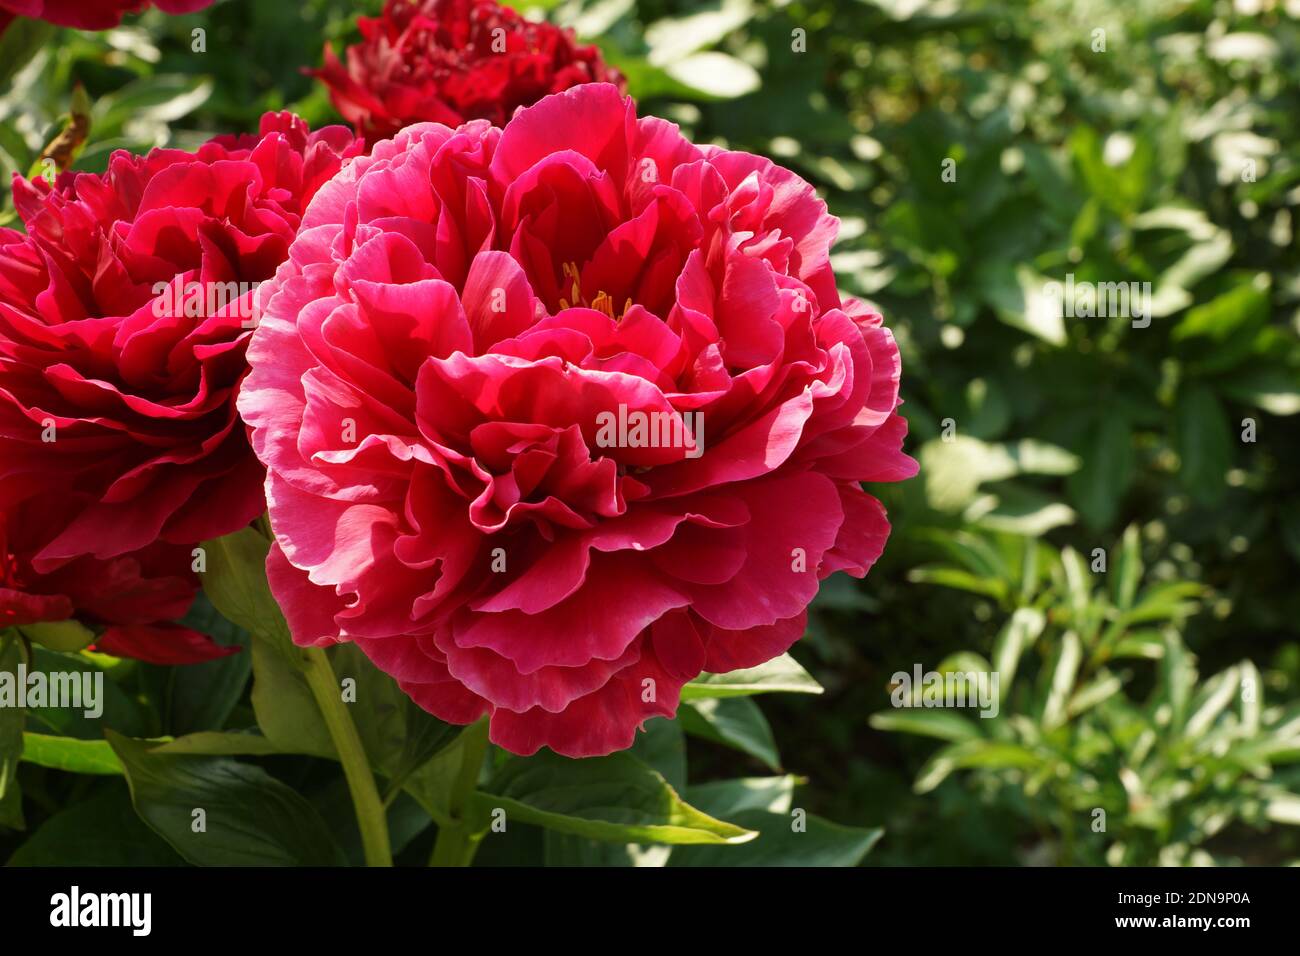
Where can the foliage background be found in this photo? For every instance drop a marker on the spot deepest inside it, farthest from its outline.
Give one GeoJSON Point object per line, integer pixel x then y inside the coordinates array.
{"type": "Point", "coordinates": [1117, 165]}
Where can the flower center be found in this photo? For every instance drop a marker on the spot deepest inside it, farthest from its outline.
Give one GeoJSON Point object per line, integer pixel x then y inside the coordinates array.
{"type": "Point", "coordinates": [602, 301]}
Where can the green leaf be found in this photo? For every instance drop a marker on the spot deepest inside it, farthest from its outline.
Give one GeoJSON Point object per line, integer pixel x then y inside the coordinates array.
{"type": "Point", "coordinates": [673, 38]}
{"type": "Point", "coordinates": [252, 819]}
{"type": "Point", "coordinates": [398, 734]}
{"type": "Point", "coordinates": [734, 722]}
{"type": "Point", "coordinates": [431, 783]}
{"type": "Point", "coordinates": [1233, 314]}
{"type": "Point", "coordinates": [1177, 678]}
{"type": "Point", "coordinates": [1064, 670]}
{"type": "Point", "coordinates": [1210, 701]}
{"type": "Point", "coordinates": [819, 843]}
{"type": "Point", "coordinates": [715, 74]}
{"type": "Point", "coordinates": [1017, 635]}
{"type": "Point", "coordinates": [1101, 688]}
{"type": "Point", "coordinates": [942, 724]}
{"type": "Point", "coordinates": [1019, 297]}
{"type": "Point", "coordinates": [1020, 511]}
{"type": "Point", "coordinates": [726, 798]}
{"type": "Point", "coordinates": [100, 831]}
{"type": "Point", "coordinates": [66, 636]}
{"type": "Point", "coordinates": [663, 748]}
{"type": "Point", "coordinates": [972, 753]}
{"type": "Point", "coordinates": [202, 696]}
{"type": "Point", "coordinates": [1128, 570]}
{"type": "Point", "coordinates": [219, 744]}
{"type": "Point", "coordinates": [959, 580]}
{"type": "Point", "coordinates": [972, 551]}
{"type": "Point", "coordinates": [1170, 600]}
{"type": "Point", "coordinates": [953, 470]}
{"type": "Point", "coordinates": [1276, 390]}
{"type": "Point", "coordinates": [71, 754]}
{"type": "Point", "coordinates": [1098, 487]}
{"type": "Point", "coordinates": [19, 42]}
{"type": "Point", "coordinates": [121, 711]}
{"type": "Point", "coordinates": [605, 798]}
{"type": "Point", "coordinates": [284, 705]}
{"type": "Point", "coordinates": [235, 583]}
{"type": "Point", "coordinates": [1204, 444]}
{"type": "Point", "coordinates": [781, 674]}
{"type": "Point", "coordinates": [11, 738]}
{"type": "Point", "coordinates": [158, 99]}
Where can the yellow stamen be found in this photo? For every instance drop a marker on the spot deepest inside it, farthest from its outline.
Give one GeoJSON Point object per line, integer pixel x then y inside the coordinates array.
{"type": "Point", "coordinates": [601, 302]}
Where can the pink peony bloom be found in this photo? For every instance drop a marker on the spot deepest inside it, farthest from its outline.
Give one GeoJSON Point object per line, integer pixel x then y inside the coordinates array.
{"type": "Point", "coordinates": [124, 315]}
{"type": "Point", "coordinates": [465, 321]}
{"type": "Point", "coordinates": [450, 61]}
{"type": "Point", "coordinates": [89, 14]}
{"type": "Point", "coordinates": [130, 600]}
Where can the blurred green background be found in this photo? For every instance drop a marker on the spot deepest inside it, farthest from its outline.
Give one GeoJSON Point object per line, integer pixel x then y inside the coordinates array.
{"type": "Point", "coordinates": [1108, 515]}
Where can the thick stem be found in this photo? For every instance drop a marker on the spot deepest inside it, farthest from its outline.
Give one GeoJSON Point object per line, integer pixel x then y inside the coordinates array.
{"type": "Point", "coordinates": [356, 767]}
{"type": "Point", "coordinates": [457, 843]}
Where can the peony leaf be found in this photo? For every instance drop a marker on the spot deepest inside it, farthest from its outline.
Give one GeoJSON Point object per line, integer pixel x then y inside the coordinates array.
{"type": "Point", "coordinates": [220, 744]}
{"type": "Point", "coordinates": [102, 830]}
{"type": "Point", "coordinates": [284, 705]}
{"type": "Point", "coordinates": [85, 674]}
{"type": "Point", "coordinates": [1097, 488]}
{"type": "Point", "coordinates": [674, 38]}
{"type": "Point", "coordinates": [11, 739]}
{"type": "Point", "coordinates": [726, 798]}
{"type": "Point", "coordinates": [202, 696]}
{"type": "Point", "coordinates": [734, 722]}
{"type": "Point", "coordinates": [972, 753]}
{"type": "Point", "coordinates": [249, 818]}
{"type": "Point", "coordinates": [398, 734]}
{"type": "Point", "coordinates": [59, 635]}
{"type": "Point", "coordinates": [780, 674]}
{"type": "Point", "coordinates": [615, 798]}
{"type": "Point", "coordinates": [70, 754]}
{"type": "Point", "coordinates": [235, 583]}
{"type": "Point", "coordinates": [715, 74]}
{"type": "Point", "coordinates": [791, 838]}
{"type": "Point", "coordinates": [1204, 443]}
{"type": "Point", "coordinates": [662, 747]}
{"type": "Point", "coordinates": [944, 725]}
{"type": "Point", "coordinates": [21, 40]}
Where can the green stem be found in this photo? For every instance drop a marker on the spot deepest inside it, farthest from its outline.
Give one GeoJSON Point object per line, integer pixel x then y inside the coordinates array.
{"type": "Point", "coordinates": [457, 843]}
{"type": "Point", "coordinates": [356, 767]}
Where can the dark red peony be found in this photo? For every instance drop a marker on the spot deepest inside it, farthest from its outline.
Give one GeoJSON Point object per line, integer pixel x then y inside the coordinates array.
{"type": "Point", "coordinates": [558, 416]}
{"type": "Point", "coordinates": [129, 600]}
{"type": "Point", "coordinates": [124, 316]}
{"type": "Point", "coordinates": [449, 61]}
{"type": "Point", "coordinates": [89, 14]}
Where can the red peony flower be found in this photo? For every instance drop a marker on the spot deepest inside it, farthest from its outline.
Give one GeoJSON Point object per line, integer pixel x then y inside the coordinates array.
{"type": "Point", "coordinates": [558, 416]}
{"type": "Point", "coordinates": [132, 598]}
{"type": "Point", "coordinates": [124, 316]}
{"type": "Point", "coordinates": [89, 14]}
{"type": "Point", "coordinates": [449, 61]}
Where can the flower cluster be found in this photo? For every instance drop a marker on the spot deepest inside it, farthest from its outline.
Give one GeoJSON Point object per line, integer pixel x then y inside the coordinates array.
{"type": "Point", "coordinates": [460, 312]}
{"type": "Point", "coordinates": [552, 410]}
{"type": "Point", "coordinates": [449, 61]}
{"type": "Point", "coordinates": [119, 367]}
